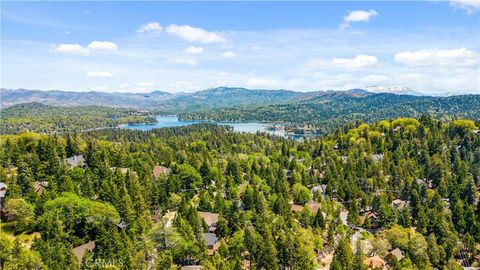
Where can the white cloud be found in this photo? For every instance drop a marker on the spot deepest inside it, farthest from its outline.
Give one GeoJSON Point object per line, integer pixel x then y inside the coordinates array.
{"type": "Point", "coordinates": [193, 34]}
{"type": "Point", "coordinates": [70, 49]}
{"type": "Point", "coordinates": [262, 82]}
{"type": "Point", "coordinates": [77, 49]}
{"type": "Point", "coordinates": [102, 45]}
{"type": "Point", "coordinates": [470, 6]}
{"type": "Point", "coordinates": [194, 50]}
{"type": "Point", "coordinates": [374, 79]}
{"type": "Point", "coordinates": [435, 57]}
{"type": "Point", "coordinates": [228, 54]}
{"type": "Point", "coordinates": [99, 74]}
{"type": "Point", "coordinates": [358, 16]}
{"type": "Point", "coordinates": [359, 61]}
{"type": "Point", "coordinates": [66, 32]}
{"type": "Point", "coordinates": [185, 61]}
{"type": "Point", "coordinates": [151, 27]}
{"type": "Point", "coordinates": [223, 73]}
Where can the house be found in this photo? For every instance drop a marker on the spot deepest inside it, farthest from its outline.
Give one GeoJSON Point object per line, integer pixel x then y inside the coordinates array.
{"type": "Point", "coordinates": [424, 182]}
{"type": "Point", "coordinates": [369, 215]}
{"type": "Point", "coordinates": [377, 157]}
{"type": "Point", "coordinates": [322, 189]}
{"type": "Point", "coordinates": [399, 204]}
{"type": "Point", "coordinates": [211, 219]}
{"type": "Point", "coordinates": [3, 193]}
{"type": "Point", "coordinates": [168, 218]}
{"type": "Point", "coordinates": [192, 267]}
{"type": "Point", "coordinates": [374, 262]}
{"type": "Point", "coordinates": [313, 206]}
{"type": "Point", "coordinates": [159, 170]}
{"type": "Point", "coordinates": [397, 253]}
{"type": "Point", "coordinates": [79, 251]}
{"type": "Point", "coordinates": [76, 161]}
{"type": "Point", "coordinates": [39, 187]}
{"type": "Point", "coordinates": [212, 242]}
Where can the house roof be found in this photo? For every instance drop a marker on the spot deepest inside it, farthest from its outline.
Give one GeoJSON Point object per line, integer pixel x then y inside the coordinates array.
{"type": "Point", "coordinates": [39, 188]}
{"type": "Point", "coordinates": [168, 217]}
{"type": "Point", "coordinates": [192, 267]}
{"type": "Point", "coordinates": [210, 238]}
{"type": "Point", "coordinates": [397, 253]}
{"type": "Point", "coordinates": [367, 215]}
{"type": "Point", "coordinates": [75, 161]}
{"type": "Point", "coordinates": [79, 251]}
{"type": "Point", "coordinates": [210, 218]}
{"type": "Point", "coordinates": [159, 170]}
{"type": "Point", "coordinates": [3, 186]}
{"type": "Point", "coordinates": [374, 262]}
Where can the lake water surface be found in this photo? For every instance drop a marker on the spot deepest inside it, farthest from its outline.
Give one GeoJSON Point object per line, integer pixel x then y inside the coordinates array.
{"type": "Point", "coordinates": [172, 121]}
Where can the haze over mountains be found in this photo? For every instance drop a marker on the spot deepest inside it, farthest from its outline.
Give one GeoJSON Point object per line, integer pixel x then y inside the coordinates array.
{"type": "Point", "coordinates": [210, 98]}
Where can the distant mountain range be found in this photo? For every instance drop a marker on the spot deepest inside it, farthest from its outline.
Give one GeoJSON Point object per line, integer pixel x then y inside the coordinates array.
{"type": "Point", "coordinates": [177, 102]}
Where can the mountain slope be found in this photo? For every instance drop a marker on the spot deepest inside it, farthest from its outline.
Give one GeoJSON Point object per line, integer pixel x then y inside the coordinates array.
{"type": "Point", "coordinates": [333, 108]}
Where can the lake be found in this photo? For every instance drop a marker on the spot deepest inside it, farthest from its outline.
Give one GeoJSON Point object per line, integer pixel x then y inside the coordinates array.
{"type": "Point", "coordinates": [172, 121]}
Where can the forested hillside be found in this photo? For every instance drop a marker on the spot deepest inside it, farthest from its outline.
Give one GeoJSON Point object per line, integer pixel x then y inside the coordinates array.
{"type": "Point", "coordinates": [400, 193]}
{"type": "Point", "coordinates": [44, 118]}
{"type": "Point", "coordinates": [328, 110]}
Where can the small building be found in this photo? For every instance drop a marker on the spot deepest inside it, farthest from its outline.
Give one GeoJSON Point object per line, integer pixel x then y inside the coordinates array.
{"type": "Point", "coordinates": [374, 262]}
{"type": "Point", "coordinates": [399, 204]}
{"type": "Point", "coordinates": [211, 219]}
{"type": "Point", "coordinates": [369, 215]}
{"type": "Point", "coordinates": [159, 170]}
{"type": "Point", "coordinates": [168, 218]}
{"type": "Point", "coordinates": [192, 267]}
{"type": "Point", "coordinates": [396, 253]}
{"type": "Point", "coordinates": [424, 182]}
{"type": "Point", "coordinates": [76, 161]}
{"type": "Point", "coordinates": [79, 251]}
{"type": "Point", "coordinates": [39, 187]}
{"type": "Point", "coordinates": [212, 242]}
{"type": "Point", "coordinates": [3, 193]}
{"type": "Point", "coordinates": [322, 189]}
{"type": "Point", "coordinates": [377, 157]}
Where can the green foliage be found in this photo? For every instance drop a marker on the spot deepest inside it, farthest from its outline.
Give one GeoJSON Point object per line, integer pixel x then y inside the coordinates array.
{"type": "Point", "coordinates": [20, 214]}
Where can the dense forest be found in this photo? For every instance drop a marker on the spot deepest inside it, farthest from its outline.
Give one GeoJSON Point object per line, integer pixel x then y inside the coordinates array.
{"type": "Point", "coordinates": [397, 193]}
{"type": "Point", "coordinates": [45, 118]}
{"type": "Point", "coordinates": [328, 110]}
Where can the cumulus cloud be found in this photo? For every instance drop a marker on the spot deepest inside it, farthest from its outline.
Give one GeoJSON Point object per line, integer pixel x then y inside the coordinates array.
{"type": "Point", "coordinates": [77, 49]}
{"type": "Point", "coordinates": [228, 54]}
{"type": "Point", "coordinates": [99, 74]}
{"type": "Point", "coordinates": [358, 16]}
{"type": "Point", "coordinates": [262, 82]}
{"type": "Point", "coordinates": [435, 57]}
{"type": "Point", "coordinates": [193, 34]}
{"type": "Point", "coordinates": [70, 49]}
{"type": "Point", "coordinates": [470, 6]}
{"type": "Point", "coordinates": [151, 27]}
{"type": "Point", "coordinates": [102, 45]}
{"type": "Point", "coordinates": [194, 50]}
{"type": "Point", "coordinates": [359, 61]}
{"type": "Point", "coordinates": [185, 61]}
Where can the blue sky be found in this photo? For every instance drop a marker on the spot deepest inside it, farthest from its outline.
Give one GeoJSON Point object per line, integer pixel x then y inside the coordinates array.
{"type": "Point", "coordinates": [431, 47]}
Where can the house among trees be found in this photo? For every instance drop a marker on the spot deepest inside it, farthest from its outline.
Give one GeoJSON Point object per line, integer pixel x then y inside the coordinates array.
{"type": "Point", "coordinates": [313, 206]}
{"type": "Point", "coordinates": [159, 170]}
{"type": "Point", "coordinates": [322, 189]}
{"type": "Point", "coordinates": [424, 182]}
{"type": "Point", "coordinates": [76, 161]}
{"type": "Point", "coordinates": [212, 242]}
{"type": "Point", "coordinates": [374, 262]}
{"type": "Point", "coordinates": [168, 218]}
{"type": "Point", "coordinates": [211, 219]}
{"type": "Point", "coordinates": [396, 253]}
{"type": "Point", "coordinates": [399, 204]}
{"type": "Point", "coordinates": [370, 217]}
{"type": "Point", "coordinates": [191, 267]}
{"type": "Point", "coordinates": [39, 187]}
{"type": "Point", "coordinates": [3, 193]}
{"type": "Point", "coordinates": [79, 251]}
